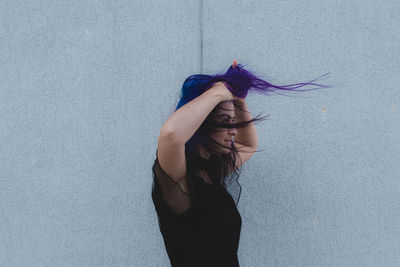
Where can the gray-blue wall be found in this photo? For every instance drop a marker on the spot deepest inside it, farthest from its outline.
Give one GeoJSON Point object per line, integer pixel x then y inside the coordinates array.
{"type": "Point", "coordinates": [86, 85]}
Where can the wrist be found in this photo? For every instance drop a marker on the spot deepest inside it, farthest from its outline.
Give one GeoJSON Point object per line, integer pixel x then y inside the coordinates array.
{"type": "Point", "coordinates": [216, 92]}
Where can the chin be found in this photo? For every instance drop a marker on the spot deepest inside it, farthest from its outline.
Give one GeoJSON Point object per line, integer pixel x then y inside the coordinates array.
{"type": "Point", "coordinates": [223, 151]}
{"type": "Point", "coordinates": [227, 150]}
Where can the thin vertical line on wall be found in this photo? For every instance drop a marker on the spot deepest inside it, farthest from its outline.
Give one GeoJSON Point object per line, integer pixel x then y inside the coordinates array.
{"type": "Point", "coordinates": [201, 36]}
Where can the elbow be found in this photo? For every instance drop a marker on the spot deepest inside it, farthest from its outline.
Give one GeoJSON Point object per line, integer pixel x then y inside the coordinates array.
{"type": "Point", "coordinates": [167, 134]}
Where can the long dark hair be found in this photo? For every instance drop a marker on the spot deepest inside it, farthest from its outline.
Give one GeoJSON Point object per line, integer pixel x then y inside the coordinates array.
{"type": "Point", "coordinates": [221, 167]}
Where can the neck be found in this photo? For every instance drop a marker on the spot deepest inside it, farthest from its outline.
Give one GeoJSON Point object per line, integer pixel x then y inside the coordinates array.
{"type": "Point", "coordinates": [203, 152]}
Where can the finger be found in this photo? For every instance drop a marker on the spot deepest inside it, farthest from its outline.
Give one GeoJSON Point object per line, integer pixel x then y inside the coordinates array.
{"type": "Point", "coordinates": [234, 63]}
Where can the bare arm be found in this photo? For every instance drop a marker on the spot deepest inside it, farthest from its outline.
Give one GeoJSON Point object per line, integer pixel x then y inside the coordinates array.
{"type": "Point", "coordinates": [184, 122]}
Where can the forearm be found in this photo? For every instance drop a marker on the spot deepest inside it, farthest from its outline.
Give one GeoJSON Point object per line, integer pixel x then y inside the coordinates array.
{"type": "Point", "coordinates": [248, 135]}
{"type": "Point", "coordinates": [184, 122]}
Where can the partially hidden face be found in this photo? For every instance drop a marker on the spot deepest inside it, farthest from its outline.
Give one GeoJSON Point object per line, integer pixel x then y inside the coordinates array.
{"type": "Point", "coordinates": [224, 136]}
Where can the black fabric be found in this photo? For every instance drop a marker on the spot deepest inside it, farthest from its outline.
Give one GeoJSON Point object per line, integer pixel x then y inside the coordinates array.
{"type": "Point", "coordinates": [200, 228]}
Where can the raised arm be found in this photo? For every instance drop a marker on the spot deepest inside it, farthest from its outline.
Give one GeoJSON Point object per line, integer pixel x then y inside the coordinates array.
{"type": "Point", "coordinates": [184, 122]}
{"type": "Point", "coordinates": [170, 165]}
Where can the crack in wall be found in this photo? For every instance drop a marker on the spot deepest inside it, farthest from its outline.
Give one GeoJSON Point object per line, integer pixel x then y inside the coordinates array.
{"type": "Point", "coordinates": [201, 36]}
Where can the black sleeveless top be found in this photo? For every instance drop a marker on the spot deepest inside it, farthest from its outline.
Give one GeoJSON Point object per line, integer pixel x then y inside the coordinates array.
{"type": "Point", "coordinates": [200, 228]}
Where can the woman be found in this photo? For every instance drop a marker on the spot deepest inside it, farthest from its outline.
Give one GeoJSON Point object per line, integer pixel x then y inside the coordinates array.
{"type": "Point", "coordinates": [200, 149]}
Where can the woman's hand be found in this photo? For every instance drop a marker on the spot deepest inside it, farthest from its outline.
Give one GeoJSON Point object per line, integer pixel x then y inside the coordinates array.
{"type": "Point", "coordinates": [222, 88]}
{"type": "Point", "coordinates": [224, 92]}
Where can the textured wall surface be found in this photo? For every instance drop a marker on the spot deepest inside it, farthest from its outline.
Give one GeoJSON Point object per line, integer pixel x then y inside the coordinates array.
{"type": "Point", "coordinates": [85, 87]}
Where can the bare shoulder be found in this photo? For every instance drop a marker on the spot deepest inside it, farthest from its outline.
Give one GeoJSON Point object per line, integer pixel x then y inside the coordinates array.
{"type": "Point", "coordinates": [172, 159]}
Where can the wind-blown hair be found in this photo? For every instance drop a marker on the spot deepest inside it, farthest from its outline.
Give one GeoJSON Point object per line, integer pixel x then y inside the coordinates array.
{"type": "Point", "coordinates": [221, 167]}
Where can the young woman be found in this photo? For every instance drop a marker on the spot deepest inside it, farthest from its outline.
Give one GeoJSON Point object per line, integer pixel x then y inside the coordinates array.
{"type": "Point", "coordinates": [201, 147]}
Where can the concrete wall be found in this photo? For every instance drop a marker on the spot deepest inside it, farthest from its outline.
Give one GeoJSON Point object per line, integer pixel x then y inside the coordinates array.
{"type": "Point", "coordinates": [86, 85]}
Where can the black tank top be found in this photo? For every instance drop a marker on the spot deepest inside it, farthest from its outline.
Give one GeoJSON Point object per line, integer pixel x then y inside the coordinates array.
{"type": "Point", "coordinates": [200, 228]}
